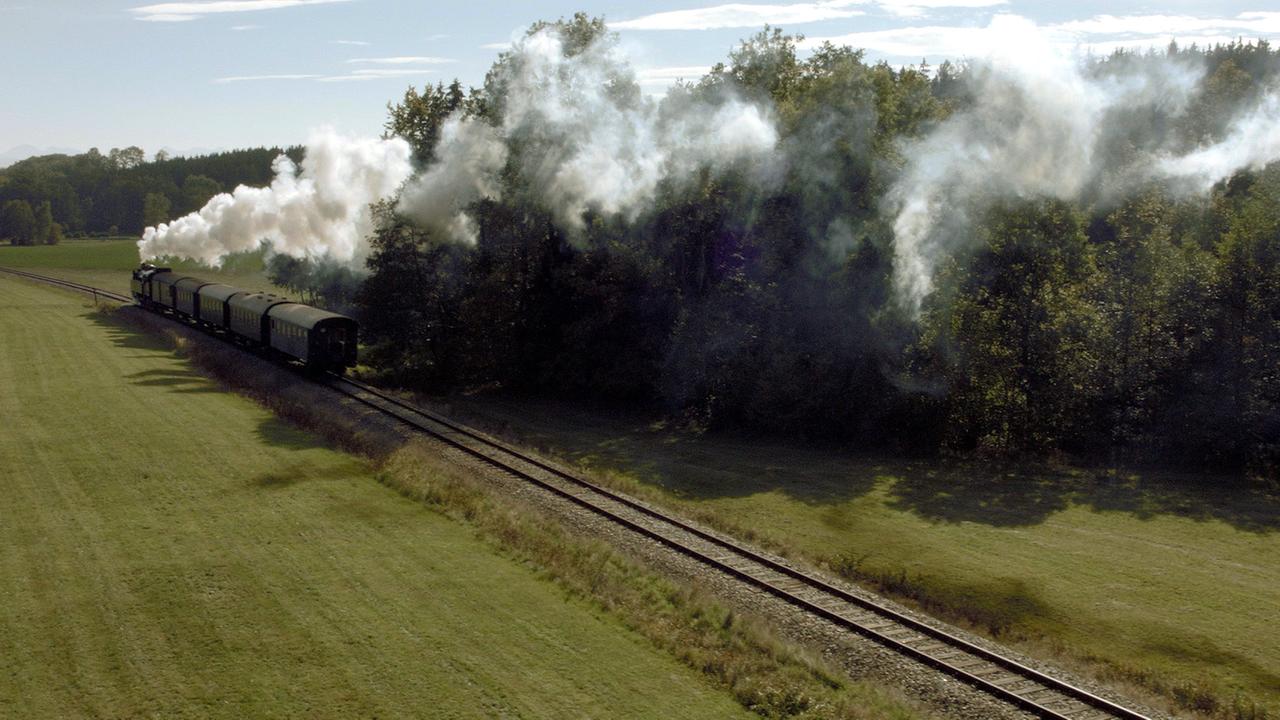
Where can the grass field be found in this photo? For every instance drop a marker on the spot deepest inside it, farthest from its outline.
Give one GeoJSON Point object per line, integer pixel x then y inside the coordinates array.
{"type": "Point", "coordinates": [1172, 581]}
{"type": "Point", "coordinates": [106, 263]}
{"type": "Point", "coordinates": [171, 550]}
{"type": "Point", "coordinates": [1169, 580]}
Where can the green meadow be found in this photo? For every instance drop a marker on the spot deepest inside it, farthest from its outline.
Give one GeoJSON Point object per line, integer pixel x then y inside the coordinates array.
{"type": "Point", "coordinates": [1165, 580]}
{"type": "Point", "coordinates": [168, 549]}
{"type": "Point", "coordinates": [1160, 579]}
{"type": "Point", "coordinates": [106, 263]}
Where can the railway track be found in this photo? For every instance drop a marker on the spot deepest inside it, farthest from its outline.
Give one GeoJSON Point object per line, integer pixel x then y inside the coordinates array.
{"type": "Point", "coordinates": [1007, 679]}
{"type": "Point", "coordinates": [89, 289]}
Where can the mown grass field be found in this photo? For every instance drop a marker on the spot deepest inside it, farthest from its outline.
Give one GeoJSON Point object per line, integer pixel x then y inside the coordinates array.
{"type": "Point", "coordinates": [1170, 580]}
{"type": "Point", "coordinates": [171, 550]}
{"type": "Point", "coordinates": [106, 263]}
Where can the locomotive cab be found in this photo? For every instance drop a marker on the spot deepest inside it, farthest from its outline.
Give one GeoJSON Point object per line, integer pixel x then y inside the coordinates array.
{"type": "Point", "coordinates": [140, 284]}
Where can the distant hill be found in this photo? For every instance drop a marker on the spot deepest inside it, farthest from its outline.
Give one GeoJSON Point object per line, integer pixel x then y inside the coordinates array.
{"type": "Point", "coordinates": [22, 152]}
{"type": "Point", "coordinates": [121, 191]}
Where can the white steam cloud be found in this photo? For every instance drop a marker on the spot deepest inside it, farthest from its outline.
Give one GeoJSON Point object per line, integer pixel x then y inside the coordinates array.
{"type": "Point", "coordinates": [1254, 141]}
{"type": "Point", "coordinates": [320, 212]}
{"type": "Point", "coordinates": [1039, 127]}
{"type": "Point", "coordinates": [584, 139]}
{"type": "Point", "coordinates": [580, 131]}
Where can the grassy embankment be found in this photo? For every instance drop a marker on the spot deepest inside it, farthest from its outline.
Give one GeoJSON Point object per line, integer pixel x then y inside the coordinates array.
{"type": "Point", "coordinates": [1164, 580]}
{"type": "Point", "coordinates": [167, 549]}
{"type": "Point", "coordinates": [106, 263]}
{"type": "Point", "coordinates": [270, 576]}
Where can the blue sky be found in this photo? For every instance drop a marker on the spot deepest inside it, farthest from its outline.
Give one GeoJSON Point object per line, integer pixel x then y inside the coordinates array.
{"type": "Point", "coordinates": [235, 73]}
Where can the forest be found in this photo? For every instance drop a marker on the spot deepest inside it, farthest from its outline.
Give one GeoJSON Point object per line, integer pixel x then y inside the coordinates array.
{"type": "Point", "coordinates": [1138, 327]}
{"type": "Point", "coordinates": [121, 192]}
{"type": "Point", "coordinates": [1100, 313]}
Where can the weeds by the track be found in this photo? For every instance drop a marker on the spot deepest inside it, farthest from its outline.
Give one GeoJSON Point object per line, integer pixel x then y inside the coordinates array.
{"type": "Point", "coordinates": [765, 674]}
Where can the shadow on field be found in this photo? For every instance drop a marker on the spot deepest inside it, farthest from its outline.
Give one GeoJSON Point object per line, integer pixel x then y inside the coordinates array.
{"type": "Point", "coordinates": [179, 381]}
{"type": "Point", "coordinates": [277, 432]}
{"type": "Point", "coordinates": [700, 467]}
{"type": "Point", "coordinates": [299, 472]}
{"type": "Point", "coordinates": [1027, 497]}
{"type": "Point", "coordinates": [1204, 652]}
{"type": "Point", "coordinates": [123, 333]}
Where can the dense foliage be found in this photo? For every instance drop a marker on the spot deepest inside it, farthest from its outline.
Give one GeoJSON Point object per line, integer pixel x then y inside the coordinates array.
{"type": "Point", "coordinates": [120, 192]}
{"type": "Point", "coordinates": [1134, 329]}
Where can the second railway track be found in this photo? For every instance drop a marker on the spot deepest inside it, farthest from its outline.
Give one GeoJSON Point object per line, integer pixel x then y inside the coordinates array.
{"type": "Point", "coordinates": [1002, 677]}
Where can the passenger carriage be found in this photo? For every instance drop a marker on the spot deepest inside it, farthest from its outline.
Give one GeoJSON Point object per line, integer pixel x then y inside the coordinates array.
{"type": "Point", "coordinates": [316, 337]}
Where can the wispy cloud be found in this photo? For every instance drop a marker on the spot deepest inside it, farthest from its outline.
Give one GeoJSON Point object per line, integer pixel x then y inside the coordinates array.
{"type": "Point", "coordinates": [350, 42]}
{"type": "Point", "coordinates": [1251, 23]}
{"type": "Point", "coordinates": [438, 36]}
{"type": "Point", "coordinates": [377, 74]}
{"type": "Point", "coordinates": [186, 11]}
{"type": "Point", "coordinates": [404, 60]}
{"type": "Point", "coordinates": [496, 46]}
{"type": "Point", "coordinates": [353, 76]}
{"type": "Point", "coordinates": [743, 15]}
{"type": "Point", "coordinates": [738, 15]}
{"type": "Point", "coordinates": [243, 28]}
{"type": "Point", "coordinates": [1100, 34]}
{"type": "Point", "coordinates": [921, 8]}
{"type": "Point", "coordinates": [256, 78]}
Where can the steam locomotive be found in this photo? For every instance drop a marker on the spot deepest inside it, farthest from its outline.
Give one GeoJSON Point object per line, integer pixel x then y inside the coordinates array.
{"type": "Point", "coordinates": [321, 339]}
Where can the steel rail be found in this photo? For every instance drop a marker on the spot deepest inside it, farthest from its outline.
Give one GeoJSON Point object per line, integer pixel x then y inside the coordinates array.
{"type": "Point", "coordinates": [943, 657]}
{"type": "Point", "coordinates": [1089, 700]}
{"type": "Point", "coordinates": [70, 285]}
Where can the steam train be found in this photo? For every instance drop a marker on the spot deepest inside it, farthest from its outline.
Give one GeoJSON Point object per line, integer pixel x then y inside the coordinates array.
{"type": "Point", "coordinates": [321, 339]}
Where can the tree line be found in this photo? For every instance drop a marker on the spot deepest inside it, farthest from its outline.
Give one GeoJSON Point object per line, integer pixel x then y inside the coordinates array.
{"type": "Point", "coordinates": [1144, 330]}
{"type": "Point", "coordinates": [121, 192]}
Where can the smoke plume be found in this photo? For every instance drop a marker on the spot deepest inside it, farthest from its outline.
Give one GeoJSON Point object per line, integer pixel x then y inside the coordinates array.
{"type": "Point", "coordinates": [1254, 141]}
{"type": "Point", "coordinates": [577, 132]}
{"type": "Point", "coordinates": [1047, 122]}
{"type": "Point", "coordinates": [582, 137]}
{"type": "Point", "coordinates": [320, 212]}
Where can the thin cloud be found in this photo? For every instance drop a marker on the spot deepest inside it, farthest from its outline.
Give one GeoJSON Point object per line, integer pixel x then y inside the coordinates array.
{"type": "Point", "coordinates": [377, 74]}
{"type": "Point", "coordinates": [354, 76]}
{"type": "Point", "coordinates": [1261, 23]}
{"type": "Point", "coordinates": [921, 8]}
{"type": "Point", "coordinates": [243, 28]}
{"type": "Point", "coordinates": [742, 15]}
{"type": "Point", "coordinates": [1100, 34]}
{"type": "Point", "coordinates": [360, 43]}
{"type": "Point", "coordinates": [187, 11]}
{"type": "Point", "coordinates": [496, 46]}
{"type": "Point", "coordinates": [256, 78]}
{"type": "Point", "coordinates": [404, 60]}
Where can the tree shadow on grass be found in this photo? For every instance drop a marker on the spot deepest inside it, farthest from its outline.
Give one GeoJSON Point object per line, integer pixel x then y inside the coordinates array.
{"type": "Point", "coordinates": [180, 381]}
{"type": "Point", "coordinates": [1028, 496]}
{"type": "Point", "coordinates": [710, 467]}
{"type": "Point", "coordinates": [279, 433]}
{"type": "Point", "coordinates": [124, 334]}
{"type": "Point", "coordinates": [1199, 651]}
{"type": "Point", "coordinates": [299, 472]}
